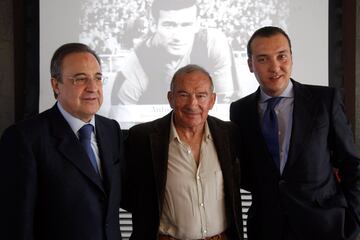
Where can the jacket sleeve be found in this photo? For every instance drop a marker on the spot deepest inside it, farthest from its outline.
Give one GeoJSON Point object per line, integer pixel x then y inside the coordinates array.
{"type": "Point", "coordinates": [18, 184]}
{"type": "Point", "coordinates": [345, 155]}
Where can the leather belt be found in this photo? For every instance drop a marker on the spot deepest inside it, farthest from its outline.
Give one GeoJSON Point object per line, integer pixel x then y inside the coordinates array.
{"type": "Point", "coordinates": [221, 236]}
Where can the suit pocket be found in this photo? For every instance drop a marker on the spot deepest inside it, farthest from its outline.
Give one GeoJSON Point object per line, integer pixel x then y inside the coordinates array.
{"type": "Point", "coordinates": [321, 123]}
{"type": "Point", "coordinates": [331, 202]}
{"type": "Point", "coordinates": [116, 160]}
{"type": "Point", "coordinates": [321, 120]}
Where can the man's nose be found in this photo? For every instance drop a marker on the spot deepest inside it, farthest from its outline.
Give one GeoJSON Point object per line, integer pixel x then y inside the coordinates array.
{"type": "Point", "coordinates": [192, 99]}
{"type": "Point", "coordinates": [274, 65]}
{"type": "Point", "coordinates": [92, 84]}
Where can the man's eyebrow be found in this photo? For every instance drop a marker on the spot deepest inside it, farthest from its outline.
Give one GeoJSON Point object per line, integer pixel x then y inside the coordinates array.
{"type": "Point", "coordinates": [265, 55]}
{"type": "Point", "coordinates": [81, 73]}
{"type": "Point", "coordinates": [261, 55]}
{"type": "Point", "coordinates": [202, 92]}
{"type": "Point", "coordinates": [284, 51]}
{"type": "Point", "coordinates": [181, 91]}
{"type": "Point", "coordinates": [168, 21]}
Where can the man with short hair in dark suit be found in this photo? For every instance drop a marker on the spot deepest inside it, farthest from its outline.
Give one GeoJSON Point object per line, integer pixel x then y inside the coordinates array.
{"type": "Point", "coordinates": [61, 169]}
{"type": "Point", "coordinates": [296, 135]}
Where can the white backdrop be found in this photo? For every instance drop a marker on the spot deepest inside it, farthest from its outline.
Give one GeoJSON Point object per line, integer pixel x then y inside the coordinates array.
{"type": "Point", "coordinates": [112, 27]}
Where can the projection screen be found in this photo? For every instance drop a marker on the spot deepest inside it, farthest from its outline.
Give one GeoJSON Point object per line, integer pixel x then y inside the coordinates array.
{"type": "Point", "coordinates": [123, 33]}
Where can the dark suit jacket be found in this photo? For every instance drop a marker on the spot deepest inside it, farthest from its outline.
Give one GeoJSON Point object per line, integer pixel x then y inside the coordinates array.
{"type": "Point", "coordinates": [147, 155]}
{"type": "Point", "coordinates": [307, 198]}
{"type": "Point", "coordinates": [49, 188]}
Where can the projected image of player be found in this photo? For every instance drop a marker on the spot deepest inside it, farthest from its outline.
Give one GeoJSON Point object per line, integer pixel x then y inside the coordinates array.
{"type": "Point", "coordinates": [175, 39]}
{"type": "Point", "coordinates": [143, 42]}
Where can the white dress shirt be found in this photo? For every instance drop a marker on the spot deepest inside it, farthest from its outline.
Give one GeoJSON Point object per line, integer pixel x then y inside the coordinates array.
{"type": "Point", "coordinates": [284, 114]}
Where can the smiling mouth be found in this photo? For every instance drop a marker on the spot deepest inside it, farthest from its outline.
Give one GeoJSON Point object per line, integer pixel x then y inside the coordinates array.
{"type": "Point", "coordinates": [191, 113]}
{"type": "Point", "coordinates": [90, 98]}
{"type": "Point", "coordinates": [175, 45]}
{"type": "Point", "coordinates": [275, 77]}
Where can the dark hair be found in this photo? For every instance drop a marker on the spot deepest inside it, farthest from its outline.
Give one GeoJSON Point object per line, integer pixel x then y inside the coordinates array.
{"type": "Point", "coordinates": [168, 5]}
{"type": "Point", "coordinates": [267, 31]}
{"type": "Point", "coordinates": [189, 69]}
{"type": "Point", "coordinates": [62, 52]}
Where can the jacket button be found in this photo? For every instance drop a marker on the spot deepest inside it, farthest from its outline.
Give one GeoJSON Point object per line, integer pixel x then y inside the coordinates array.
{"type": "Point", "coordinates": [282, 184]}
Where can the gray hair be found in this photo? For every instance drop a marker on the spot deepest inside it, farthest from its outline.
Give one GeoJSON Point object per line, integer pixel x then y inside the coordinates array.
{"type": "Point", "coordinates": [62, 52]}
{"type": "Point", "coordinates": [189, 69]}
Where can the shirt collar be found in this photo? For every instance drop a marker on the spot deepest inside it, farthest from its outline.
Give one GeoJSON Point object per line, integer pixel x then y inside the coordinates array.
{"type": "Point", "coordinates": [174, 135]}
{"type": "Point", "coordinates": [74, 122]}
{"type": "Point", "coordinates": [287, 93]}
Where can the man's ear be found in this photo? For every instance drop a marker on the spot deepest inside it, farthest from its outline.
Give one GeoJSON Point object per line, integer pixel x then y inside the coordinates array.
{"type": "Point", "coordinates": [170, 98]}
{"type": "Point", "coordinates": [55, 87]}
{"type": "Point", "coordinates": [212, 100]}
{"type": "Point", "coordinates": [250, 65]}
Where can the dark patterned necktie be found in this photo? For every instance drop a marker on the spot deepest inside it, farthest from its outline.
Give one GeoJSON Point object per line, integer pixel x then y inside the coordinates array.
{"type": "Point", "coordinates": [85, 140]}
{"type": "Point", "coordinates": [270, 129]}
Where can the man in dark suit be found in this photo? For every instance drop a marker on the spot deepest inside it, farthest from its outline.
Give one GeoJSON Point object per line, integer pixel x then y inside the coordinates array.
{"type": "Point", "coordinates": [56, 181]}
{"type": "Point", "coordinates": [290, 173]}
{"type": "Point", "coordinates": [183, 168]}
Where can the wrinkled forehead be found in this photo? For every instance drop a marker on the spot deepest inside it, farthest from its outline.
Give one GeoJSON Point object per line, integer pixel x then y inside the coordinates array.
{"type": "Point", "coordinates": [80, 62]}
{"type": "Point", "coordinates": [192, 81]}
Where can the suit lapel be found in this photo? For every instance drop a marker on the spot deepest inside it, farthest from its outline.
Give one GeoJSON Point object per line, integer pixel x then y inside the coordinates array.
{"type": "Point", "coordinates": [262, 151]}
{"type": "Point", "coordinates": [224, 152]}
{"type": "Point", "coordinates": [304, 113]}
{"type": "Point", "coordinates": [222, 145]}
{"type": "Point", "coordinates": [105, 152]}
{"type": "Point", "coordinates": [70, 147]}
{"type": "Point", "coordinates": [159, 141]}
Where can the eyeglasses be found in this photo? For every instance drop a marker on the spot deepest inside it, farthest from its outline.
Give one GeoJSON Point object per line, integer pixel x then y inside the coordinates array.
{"type": "Point", "coordinates": [81, 80]}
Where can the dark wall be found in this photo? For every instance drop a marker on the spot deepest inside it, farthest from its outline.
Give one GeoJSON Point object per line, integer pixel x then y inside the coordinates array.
{"type": "Point", "coordinates": [26, 53]}
{"type": "Point", "coordinates": [7, 104]}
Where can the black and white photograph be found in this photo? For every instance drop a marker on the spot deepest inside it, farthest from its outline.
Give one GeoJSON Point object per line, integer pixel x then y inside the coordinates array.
{"type": "Point", "coordinates": [142, 43]}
